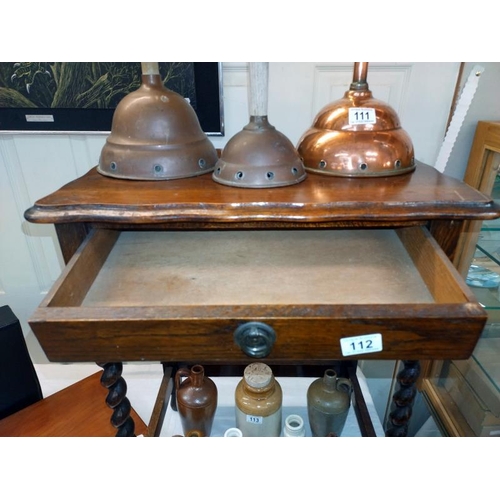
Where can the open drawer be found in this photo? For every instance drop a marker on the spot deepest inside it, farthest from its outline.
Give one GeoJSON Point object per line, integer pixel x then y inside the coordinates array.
{"type": "Point", "coordinates": [181, 296]}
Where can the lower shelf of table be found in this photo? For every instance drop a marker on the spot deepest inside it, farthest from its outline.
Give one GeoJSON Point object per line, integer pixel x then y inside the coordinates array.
{"type": "Point", "coordinates": [294, 402]}
{"type": "Point", "coordinates": [144, 383]}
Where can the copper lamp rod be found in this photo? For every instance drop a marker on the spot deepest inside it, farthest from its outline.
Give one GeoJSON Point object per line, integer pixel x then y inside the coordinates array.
{"type": "Point", "coordinates": [360, 72]}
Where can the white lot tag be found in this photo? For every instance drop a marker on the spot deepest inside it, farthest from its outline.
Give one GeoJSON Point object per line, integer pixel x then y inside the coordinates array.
{"type": "Point", "coordinates": [39, 118]}
{"type": "Point", "coordinates": [252, 419]}
{"type": "Point", "coordinates": [364, 344]}
{"type": "Point", "coordinates": [361, 116]}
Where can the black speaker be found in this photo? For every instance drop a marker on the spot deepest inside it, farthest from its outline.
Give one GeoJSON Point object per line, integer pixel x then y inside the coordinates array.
{"type": "Point", "coordinates": [19, 384]}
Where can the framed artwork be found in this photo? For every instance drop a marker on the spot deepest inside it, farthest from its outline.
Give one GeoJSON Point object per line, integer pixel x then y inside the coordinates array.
{"type": "Point", "coordinates": [80, 97]}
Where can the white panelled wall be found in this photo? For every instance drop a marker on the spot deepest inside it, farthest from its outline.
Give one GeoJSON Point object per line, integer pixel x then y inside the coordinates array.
{"type": "Point", "coordinates": [34, 165]}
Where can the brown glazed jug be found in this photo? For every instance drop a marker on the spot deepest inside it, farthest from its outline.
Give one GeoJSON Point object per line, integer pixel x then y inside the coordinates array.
{"type": "Point", "coordinates": [328, 403]}
{"type": "Point", "coordinates": [196, 397]}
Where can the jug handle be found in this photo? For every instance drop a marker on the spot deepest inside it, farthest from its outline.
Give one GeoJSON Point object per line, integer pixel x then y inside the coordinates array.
{"type": "Point", "coordinates": [346, 383]}
{"type": "Point", "coordinates": [181, 372]}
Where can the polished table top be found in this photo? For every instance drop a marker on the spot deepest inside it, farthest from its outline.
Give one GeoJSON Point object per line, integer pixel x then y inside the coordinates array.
{"type": "Point", "coordinates": [422, 195]}
{"type": "Point", "coordinates": [74, 410]}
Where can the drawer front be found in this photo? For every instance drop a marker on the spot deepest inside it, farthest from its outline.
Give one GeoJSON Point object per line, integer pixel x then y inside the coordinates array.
{"type": "Point", "coordinates": [188, 296]}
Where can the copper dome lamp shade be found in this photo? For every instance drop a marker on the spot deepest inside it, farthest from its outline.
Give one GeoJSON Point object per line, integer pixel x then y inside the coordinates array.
{"type": "Point", "coordinates": [155, 135]}
{"type": "Point", "coordinates": [259, 156]}
{"type": "Point", "coordinates": [357, 136]}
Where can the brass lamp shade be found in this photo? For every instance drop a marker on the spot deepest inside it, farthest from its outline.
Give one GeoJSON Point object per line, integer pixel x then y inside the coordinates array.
{"type": "Point", "coordinates": [155, 135]}
{"type": "Point", "coordinates": [259, 156]}
{"type": "Point", "coordinates": [357, 136]}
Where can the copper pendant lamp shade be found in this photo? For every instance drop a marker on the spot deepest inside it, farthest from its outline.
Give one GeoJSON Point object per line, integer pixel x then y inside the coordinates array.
{"type": "Point", "coordinates": [259, 156]}
{"type": "Point", "coordinates": [155, 135]}
{"type": "Point", "coordinates": [357, 136]}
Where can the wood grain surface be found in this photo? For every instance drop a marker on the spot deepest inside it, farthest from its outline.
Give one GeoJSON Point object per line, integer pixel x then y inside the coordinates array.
{"type": "Point", "coordinates": [76, 411]}
{"type": "Point", "coordinates": [419, 196]}
{"type": "Point", "coordinates": [159, 297]}
{"type": "Point", "coordinates": [445, 329]}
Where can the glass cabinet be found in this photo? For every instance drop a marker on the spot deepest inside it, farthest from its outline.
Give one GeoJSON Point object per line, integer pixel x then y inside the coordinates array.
{"type": "Point", "coordinates": [464, 395]}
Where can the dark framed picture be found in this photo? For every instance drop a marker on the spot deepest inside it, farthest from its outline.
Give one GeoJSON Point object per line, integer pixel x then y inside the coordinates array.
{"type": "Point", "coordinates": [76, 97]}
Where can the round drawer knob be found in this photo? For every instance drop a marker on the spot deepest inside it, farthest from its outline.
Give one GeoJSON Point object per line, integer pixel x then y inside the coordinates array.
{"type": "Point", "coordinates": [255, 339]}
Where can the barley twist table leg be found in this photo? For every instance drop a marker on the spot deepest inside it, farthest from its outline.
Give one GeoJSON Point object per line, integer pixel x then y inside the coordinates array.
{"type": "Point", "coordinates": [112, 379]}
{"type": "Point", "coordinates": [403, 399]}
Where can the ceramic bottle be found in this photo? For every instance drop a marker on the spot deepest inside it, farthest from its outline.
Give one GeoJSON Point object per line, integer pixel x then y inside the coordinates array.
{"type": "Point", "coordinates": [258, 402]}
{"type": "Point", "coordinates": [196, 397]}
{"type": "Point", "coordinates": [294, 426]}
{"type": "Point", "coordinates": [233, 432]}
{"type": "Point", "coordinates": [328, 403]}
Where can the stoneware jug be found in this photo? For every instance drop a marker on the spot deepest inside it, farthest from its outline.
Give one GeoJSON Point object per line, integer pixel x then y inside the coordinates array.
{"type": "Point", "coordinates": [196, 397]}
{"type": "Point", "coordinates": [258, 402]}
{"type": "Point", "coordinates": [328, 402]}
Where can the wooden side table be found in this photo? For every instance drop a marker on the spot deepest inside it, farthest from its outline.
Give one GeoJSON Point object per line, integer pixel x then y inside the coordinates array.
{"type": "Point", "coordinates": [189, 271]}
{"type": "Point", "coordinates": [72, 405]}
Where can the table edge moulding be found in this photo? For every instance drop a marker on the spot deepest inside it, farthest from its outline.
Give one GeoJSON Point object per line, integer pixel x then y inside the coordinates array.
{"type": "Point", "coordinates": [421, 206]}
{"type": "Point", "coordinates": [421, 195]}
